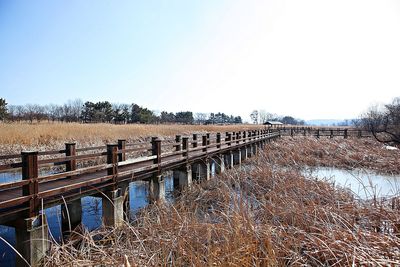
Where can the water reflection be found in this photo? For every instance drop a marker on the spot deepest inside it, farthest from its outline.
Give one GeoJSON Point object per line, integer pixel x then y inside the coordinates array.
{"type": "Point", "coordinates": [91, 213]}
{"type": "Point", "coordinates": [364, 184]}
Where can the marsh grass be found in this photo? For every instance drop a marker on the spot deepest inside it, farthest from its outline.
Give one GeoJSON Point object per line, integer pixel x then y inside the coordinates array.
{"type": "Point", "coordinates": [267, 214]}
{"type": "Point", "coordinates": [43, 134]}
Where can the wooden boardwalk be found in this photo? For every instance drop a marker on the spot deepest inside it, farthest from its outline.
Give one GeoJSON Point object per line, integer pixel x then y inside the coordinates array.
{"type": "Point", "coordinates": [26, 197]}
{"type": "Point", "coordinates": [106, 172]}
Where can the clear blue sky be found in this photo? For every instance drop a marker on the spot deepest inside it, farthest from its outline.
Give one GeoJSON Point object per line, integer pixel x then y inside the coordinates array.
{"type": "Point", "coordinates": [310, 59]}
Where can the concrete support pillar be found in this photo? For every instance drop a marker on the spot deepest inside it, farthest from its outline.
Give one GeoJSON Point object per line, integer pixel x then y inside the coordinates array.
{"type": "Point", "coordinates": [237, 157]}
{"type": "Point", "coordinates": [244, 153]}
{"type": "Point", "coordinates": [71, 216]}
{"type": "Point", "coordinates": [157, 188]}
{"type": "Point", "coordinates": [113, 208]}
{"type": "Point", "coordinates": [183, 177]}
{"type": "Point", "coordinates": [32, 240]}
{"type": "Point", "coordinates": [250, 151]}
{"type": "Point", "coordinates": [219, 164]}
{"type": "Point", "coordinates": [255, 149]}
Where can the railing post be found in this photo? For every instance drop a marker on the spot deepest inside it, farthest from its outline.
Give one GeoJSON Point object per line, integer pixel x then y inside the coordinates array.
{"type": "Point", "coordinates": [331, 134]}
{"type": "Point", "coordinates": [229, 138]}
{"type": "Point", "coordinates": [157, 185]}
{"type": "Point", "coordinates": [318, 133]}
{"type": "Point", "coordinates": [112, 158]}
{"type": "Point", "coordinates": [178, 140]}
{"type": "Point", "coordinates": [345, 134]}
{"type": "Point", "coordinates": [30, 171]}
{"type": "Point", "coordinates": [156, 151]}
{"type": "Point", "coordinates": [194, 140]}
{"type": "Point", "coordinates": [70, 150]}
{"type": "Point", "coordinates": [121, 146]}
{"type": "Point", "coordinates": [71, 212]}
{"type": "Point", "coordinates": [204, 143]}
{"type": "Point", "coordinates": [218, 140]}
{"type": "Point", "coordinates": [208, 138]}
{"type": "Point", "coordinates": [237, 137]}
{"type": "Point", "coordinates": [185, 146]}
{"type": "Point", "coordinates": [359, 134]}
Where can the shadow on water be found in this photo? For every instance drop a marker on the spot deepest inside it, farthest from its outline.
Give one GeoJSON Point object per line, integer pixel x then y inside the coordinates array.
{"type": "Point", "coordinates": [364, 184]}
{"type": "Point", "coordinates": [91, 213]}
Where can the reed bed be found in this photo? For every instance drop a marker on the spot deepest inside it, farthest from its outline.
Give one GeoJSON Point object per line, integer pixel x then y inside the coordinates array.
{"type": "Point", "coordinates": [15, 137]}
{"type": "Point", "coordinates": [262, 215]}
{"type": "Point", "coordinates": [352, 153]}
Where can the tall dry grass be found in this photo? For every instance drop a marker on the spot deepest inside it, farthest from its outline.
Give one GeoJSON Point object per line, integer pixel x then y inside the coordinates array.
{"type": "Point", "coordinates": [267, 214]}
{"type": "Point", "coordinates": [19, 136]}
{"type": "Point", "coordinates": [352, 153]}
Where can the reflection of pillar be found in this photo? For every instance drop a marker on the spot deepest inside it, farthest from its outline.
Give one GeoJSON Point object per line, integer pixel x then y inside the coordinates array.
{"type": "Point", "coordinates": [229, 160]}
{"type": "Point", "coordinates": [219, 164]}
{"type": "Point", "coordinates": [126, 199]}
{"type": "Point", "coordinates": [113, 208]}
{"type": "Point", "coordinates": [71, 215]}
{"type": "Point", "coordinates": [157, 188]}
{"type": "Point", "coordinates": [32, 240]}
{"type": "Point", "coordinates": [183, 177]}
{"type": "Point", "coordinates": [201, 170]}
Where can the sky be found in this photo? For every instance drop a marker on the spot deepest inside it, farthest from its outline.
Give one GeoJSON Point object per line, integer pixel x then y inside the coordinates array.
{"type": "Point", "coordinates": [311, 59]}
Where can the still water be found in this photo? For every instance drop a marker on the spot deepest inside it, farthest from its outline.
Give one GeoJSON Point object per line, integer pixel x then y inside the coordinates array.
{"type": "Point", "coordinates": [364, 184]}
{"type": "Point", "coordinates": [91, 213]}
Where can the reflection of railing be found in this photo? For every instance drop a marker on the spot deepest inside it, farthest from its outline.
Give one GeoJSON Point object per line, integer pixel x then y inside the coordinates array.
{"type": "Point", "coordinates": [112, 164]}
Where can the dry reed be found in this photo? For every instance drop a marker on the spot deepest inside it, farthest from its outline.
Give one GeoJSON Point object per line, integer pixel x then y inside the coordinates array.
{"type": "Point", "coordinates": [15, 137]}
{"type": "Point", "coordinates": [262, 215]}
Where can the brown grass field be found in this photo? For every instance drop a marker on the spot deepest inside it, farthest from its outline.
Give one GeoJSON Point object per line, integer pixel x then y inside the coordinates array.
{"type": "Point", "coordinates": [266, 214]}
{"type": "Point", "coordinates": [15, 137]}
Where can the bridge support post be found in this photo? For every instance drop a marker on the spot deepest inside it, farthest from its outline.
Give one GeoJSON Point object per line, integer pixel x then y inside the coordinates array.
{"type": "Point", "coordinates": [229, 160]}
{"type": "Point", "coordinates": [157, 188]}
{"type": "Point", "coordinates": [183, 177]}
{"type": "Point", "coordinates": [237, 157]}
{"type": "Point", "coordinates": [243, 153]}
{"type": "Point", "coordinates": [254, 149]}
{"type": "Point", "coordinates": [32, 240]}
{"type": "Point", "coordinates": [71, 216]}
{"type": "Point", "coordinates": [113, 208]}
{"type": "Point", "coordinates": [250, 151]}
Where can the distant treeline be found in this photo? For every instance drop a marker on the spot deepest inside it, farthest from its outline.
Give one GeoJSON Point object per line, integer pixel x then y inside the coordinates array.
{"type": "Point", "coordinates": [106, 112]}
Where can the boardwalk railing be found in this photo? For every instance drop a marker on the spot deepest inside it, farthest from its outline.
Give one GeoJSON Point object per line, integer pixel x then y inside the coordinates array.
{"type": "Point", "coordinates": [324, 132]}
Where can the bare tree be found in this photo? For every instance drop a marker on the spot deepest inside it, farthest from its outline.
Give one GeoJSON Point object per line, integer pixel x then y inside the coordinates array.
{"type": "Point", "coordinates": [200, 118]}
{"type": "Point", "coordinates": [266, 116]}
{"type": "Point", "coordinates": [254, 116]}
{"type": "Point", "coordinates": [384, 122]}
